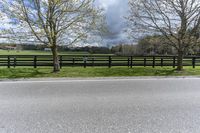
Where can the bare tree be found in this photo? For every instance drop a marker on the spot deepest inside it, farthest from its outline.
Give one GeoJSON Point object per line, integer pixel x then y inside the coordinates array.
{"type": "Point", "coordinates": [177, 20]}
{"type": "Point", "coordinates": [53, 22]}
{"type": "Point", "coordinates": [2, 26]}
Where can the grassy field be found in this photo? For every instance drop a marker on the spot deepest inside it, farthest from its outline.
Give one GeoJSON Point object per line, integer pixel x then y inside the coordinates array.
{"type": "Point", "coordinates": [30, 72]}
{"type": "Point", "coordinates": [34, 52]}
{"type": "Point", "coordinates": [22, 72]}
{"type": "Point", "coordinates": [78, 56]}
{"type": "Point", "coordinates": [38, 52]}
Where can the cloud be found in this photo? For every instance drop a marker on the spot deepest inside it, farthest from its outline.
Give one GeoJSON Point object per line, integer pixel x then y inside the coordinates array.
{"type": "Point", "coordinates": [115, 11]}
{"type": "Point", "coordinates": [4, 21]}
{"type": "Point", "coordinates": [105, 3]}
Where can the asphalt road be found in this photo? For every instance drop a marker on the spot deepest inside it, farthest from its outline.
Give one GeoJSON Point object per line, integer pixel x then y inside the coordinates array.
{"type": "Point", "coordinates": [101, 106]}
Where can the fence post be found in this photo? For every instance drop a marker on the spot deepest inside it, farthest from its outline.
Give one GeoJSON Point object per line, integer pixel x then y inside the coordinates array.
{"type": "Point", "coordinates": [128, 62]}
{"type": "Point", "coordinates": [61, 61]}
{"type": "Point", "coordinates": [15, 61]}
{"type": "Point", "coordinates": [145, 62]}
{"type": "Point", "coordinates": [35, 61]}
{"type": "Point", "coordinates": [153, 62]}
{"type": "Point", "coordinates": [73, 61]}
{"type": "Point", "coordinates": [161, 62]}
{"type": "Point", "coordinates": [110, 62]}
{"type": "Point", "coordinates": [131, 61]}
{"type": "Point", "coordinates": [174, 61]}
{"type": "Point", "coordinates": [8, 61]}
{"type": "Point", "coordinates": [92, 61]}
{"type": "Point", "coordinates": [193, 62]}
{"type": "Point", "coordinates": [85, 62]}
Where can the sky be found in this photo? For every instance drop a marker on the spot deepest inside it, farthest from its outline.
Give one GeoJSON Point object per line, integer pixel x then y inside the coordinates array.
{"type": "Point", "coordinates": [115, 11]}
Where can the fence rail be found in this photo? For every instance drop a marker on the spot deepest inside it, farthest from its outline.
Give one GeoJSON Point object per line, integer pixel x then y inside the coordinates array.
{"type": "Point", "coordinates": [90, 60]}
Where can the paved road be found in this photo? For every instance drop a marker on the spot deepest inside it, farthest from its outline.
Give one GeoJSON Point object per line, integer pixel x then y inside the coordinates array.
{"type": "Point", "coordinates": [101, 106]}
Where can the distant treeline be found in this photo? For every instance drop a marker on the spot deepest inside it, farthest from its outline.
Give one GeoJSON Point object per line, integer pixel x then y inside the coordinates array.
{"type": "Point", "coordinates": [152, 45]}
{"type": "Point", "coordinates": [149, 45]}
{"type": "Point", "coordinates": [90, 49]}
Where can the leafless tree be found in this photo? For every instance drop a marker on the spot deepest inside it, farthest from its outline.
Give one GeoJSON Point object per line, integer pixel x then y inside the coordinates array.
{"type": "Point", "coordinates": [53, 22]}
{"type": "Point", "coordinates": [177, 20]}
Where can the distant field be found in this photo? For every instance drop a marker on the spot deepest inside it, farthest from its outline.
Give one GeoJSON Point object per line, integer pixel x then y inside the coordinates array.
{"type": "Point", "coordinates": [37, 52]}
{"type": "Point", "coordinates": [27, 57]}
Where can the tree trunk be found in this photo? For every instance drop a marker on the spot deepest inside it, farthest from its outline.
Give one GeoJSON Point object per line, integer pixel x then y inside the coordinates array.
{"type": "Point", "coordinates": [56, 63]}
{"type": "Point", "coordinates": [180, 61]}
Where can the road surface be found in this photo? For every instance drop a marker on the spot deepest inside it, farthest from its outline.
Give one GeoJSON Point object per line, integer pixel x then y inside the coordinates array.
{"type": "Point", "coordinates": [101, 106]}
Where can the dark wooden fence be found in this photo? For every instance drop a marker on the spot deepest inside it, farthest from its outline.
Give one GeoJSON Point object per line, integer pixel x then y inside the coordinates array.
{"type": "Point", "coordinates": [101, 60]}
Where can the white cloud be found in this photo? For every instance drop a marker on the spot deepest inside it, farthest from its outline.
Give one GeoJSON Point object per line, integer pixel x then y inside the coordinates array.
{"type": "Point", "coordinates": [106, 3]}
{"type": "Point", "coordinates": [115, 11]}
{"type": "Point", "coordinates": [5, 21]}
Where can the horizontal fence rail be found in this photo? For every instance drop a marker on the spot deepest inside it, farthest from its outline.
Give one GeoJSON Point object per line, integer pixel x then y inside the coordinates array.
{"type": "Point", "coordinates": [90, 60]}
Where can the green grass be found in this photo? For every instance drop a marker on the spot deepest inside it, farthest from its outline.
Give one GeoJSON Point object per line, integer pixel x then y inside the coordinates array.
{"type": "Point", "coordinates": [25, 72]}
{"type": "Point", "coordinates": [38, 52]}
{"type": "Point", "coordinates": [34, 52]}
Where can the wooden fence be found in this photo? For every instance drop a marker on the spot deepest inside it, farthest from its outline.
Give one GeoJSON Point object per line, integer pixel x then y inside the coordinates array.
{"type": "Point", "coordinates": [90, 60]}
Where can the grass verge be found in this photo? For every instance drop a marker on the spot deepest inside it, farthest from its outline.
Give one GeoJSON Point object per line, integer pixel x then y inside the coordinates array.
{"type": "Point", "coordinates": [22, 72]}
